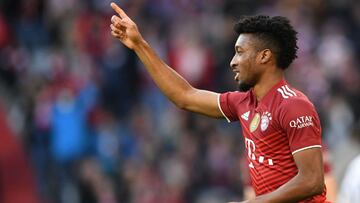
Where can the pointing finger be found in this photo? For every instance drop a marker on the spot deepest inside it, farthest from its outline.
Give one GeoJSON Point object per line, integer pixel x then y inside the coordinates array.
{"type": "Point", "coordinates": [118, 10]}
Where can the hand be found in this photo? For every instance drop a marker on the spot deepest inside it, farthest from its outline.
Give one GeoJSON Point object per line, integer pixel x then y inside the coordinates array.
{"type": "Point", "coordinates": [124, 29]}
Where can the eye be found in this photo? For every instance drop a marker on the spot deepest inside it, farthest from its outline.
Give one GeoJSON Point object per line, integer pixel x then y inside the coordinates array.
{"type": "Point", "coordinates": [238, 51]}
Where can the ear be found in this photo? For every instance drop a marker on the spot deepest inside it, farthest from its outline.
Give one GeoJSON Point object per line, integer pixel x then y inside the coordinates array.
{"type": "Point", "coordinates": [265, 56]}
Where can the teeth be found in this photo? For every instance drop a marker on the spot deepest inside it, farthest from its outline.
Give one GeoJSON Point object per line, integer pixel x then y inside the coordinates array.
{"type": "Point", "coordinates": [236, 77]}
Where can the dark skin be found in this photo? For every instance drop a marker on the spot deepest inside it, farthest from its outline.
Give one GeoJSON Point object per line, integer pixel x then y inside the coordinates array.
{"type": "Point", "coordinates": [252, 65]}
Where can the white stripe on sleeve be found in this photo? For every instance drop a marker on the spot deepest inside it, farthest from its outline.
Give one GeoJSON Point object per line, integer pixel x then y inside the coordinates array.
{"type": "Point", "coordinates": [309, 147]}
{"type": "Point", "coordinates": [218, 101]}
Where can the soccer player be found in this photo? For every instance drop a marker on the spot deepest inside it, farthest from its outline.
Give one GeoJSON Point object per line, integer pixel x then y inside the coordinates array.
{"type": "Point", "coordinates": [280, 125]}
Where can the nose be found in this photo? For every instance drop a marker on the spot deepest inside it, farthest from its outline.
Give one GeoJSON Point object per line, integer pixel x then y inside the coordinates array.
{"type": "Point", "coordinates": [233, 63]}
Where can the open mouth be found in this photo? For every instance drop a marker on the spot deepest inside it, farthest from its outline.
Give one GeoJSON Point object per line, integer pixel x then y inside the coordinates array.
{"type": "Point", "coordinates": [237, 75]}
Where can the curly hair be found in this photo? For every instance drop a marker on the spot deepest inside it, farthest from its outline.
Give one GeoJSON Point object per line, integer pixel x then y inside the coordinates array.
{"type": "Point", "coordinates": [274, 33]}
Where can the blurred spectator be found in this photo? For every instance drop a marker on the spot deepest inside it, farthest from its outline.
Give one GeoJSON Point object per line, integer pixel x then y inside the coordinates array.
{"type": "Point", "coordinates": [351, 183]}
{"type": "Point", "coordinates": [4, 32]}
{"type": "Point", "coordinates": [190, 58]}
{"type": "Point", "coordinates": [30, 28]}
{"type": "Point", "coordinates": [95, 186]}
{"type": "Point", "coordinates": [69, 124]}
{"type": "Point", "coordinates": [350, 186]}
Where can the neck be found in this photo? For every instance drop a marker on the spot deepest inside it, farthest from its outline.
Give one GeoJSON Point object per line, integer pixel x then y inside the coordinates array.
{"type": "Point", "coordinates": [266, 82]}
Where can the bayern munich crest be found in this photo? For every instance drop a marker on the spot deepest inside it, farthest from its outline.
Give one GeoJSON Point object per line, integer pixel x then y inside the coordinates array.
{"type": "Point", "coordinates": [265, 121]}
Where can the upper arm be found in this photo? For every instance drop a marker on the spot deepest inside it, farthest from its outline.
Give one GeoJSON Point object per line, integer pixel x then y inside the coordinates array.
{"type": "Point", "coordinates": [225, 105]}
{"type": "Point", "coordinates": [203, 102]}
{"type": "Point", "coordinates": [310, 167]}
{"type": "Point", "coordinates": [308, 183]}
{"type": "Point", "coordinates": [302, 127]}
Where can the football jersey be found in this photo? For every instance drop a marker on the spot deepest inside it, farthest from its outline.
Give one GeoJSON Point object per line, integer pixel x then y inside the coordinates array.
{"type": "Point", "coordinates": [283, 123]}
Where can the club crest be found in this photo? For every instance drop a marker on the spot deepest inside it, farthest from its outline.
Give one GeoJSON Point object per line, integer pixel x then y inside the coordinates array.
{"type": "Point", "coordinates": [265, 121]}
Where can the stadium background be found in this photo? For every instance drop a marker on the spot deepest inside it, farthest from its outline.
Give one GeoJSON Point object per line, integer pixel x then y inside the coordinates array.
{"type": "Point", "coordinates": [90, 126]}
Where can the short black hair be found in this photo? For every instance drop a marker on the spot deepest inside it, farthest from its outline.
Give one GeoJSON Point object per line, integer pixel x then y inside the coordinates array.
{"type": "Point", "coordinates": [274, 33]}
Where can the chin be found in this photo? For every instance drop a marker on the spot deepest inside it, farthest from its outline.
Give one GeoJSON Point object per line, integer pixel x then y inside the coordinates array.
{"type": "Point", "coordinates": [244, 87]}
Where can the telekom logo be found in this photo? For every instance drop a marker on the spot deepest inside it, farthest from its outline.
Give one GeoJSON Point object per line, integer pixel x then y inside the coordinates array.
{"type": "Point", "coordinates": [250, 146]}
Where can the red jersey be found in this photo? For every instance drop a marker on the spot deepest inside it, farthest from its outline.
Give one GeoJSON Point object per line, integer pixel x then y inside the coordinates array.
{"type": "Point", "coordinates": [283, 123]}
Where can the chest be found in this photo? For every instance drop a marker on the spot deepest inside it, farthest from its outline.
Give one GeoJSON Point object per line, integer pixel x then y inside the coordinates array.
{"type": "Point", "coordinates": [259, 123]}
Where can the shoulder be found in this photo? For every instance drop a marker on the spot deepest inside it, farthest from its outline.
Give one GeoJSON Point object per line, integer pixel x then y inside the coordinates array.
{"type": "Point", "coordinates": [229, 104]}
{"type": "Point", "coordinates": [291, 97]}
{"type": "Point", "coordinates": [298, 103]}
{"type": "Point", "coordinates": [235, 96]}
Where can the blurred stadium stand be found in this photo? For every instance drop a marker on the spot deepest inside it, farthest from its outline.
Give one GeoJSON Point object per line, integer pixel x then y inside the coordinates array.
{"type": "Point", "coordinates": [96, 129]}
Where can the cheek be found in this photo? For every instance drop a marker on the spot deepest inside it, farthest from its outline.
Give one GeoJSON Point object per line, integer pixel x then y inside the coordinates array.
{"type": "Point", "coordinates": [242, 62]}
{"type": "Point", "coordinates": [248, 67]}
{"type": "Point", "coordinates": [251, 63]}
{"type": "Point", "coordinates": [249, 70]}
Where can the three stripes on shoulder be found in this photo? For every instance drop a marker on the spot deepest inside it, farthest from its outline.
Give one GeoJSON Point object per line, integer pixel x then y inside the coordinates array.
{"type": "Point", "coordinates": [286, 92]}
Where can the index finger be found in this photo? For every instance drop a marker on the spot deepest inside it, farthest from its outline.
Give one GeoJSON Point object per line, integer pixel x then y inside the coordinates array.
{"type": "Point", "coordinates": [118, 10]}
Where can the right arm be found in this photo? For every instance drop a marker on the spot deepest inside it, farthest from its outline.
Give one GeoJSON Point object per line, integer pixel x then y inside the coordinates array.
{"type": "Point", "coordinates": [175, 87]}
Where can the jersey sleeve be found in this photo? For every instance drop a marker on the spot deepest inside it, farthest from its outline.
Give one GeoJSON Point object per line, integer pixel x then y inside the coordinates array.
{"type": "Point", "coordinates": [301, 124]}
{"type": "Point", "coordinates": [228, 103]}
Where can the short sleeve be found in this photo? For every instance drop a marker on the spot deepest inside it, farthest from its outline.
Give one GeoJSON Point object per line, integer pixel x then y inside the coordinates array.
{"type": "Point", "coordinates": [301, 124]}
{"type": "Point", "coordinates": [228, 103]}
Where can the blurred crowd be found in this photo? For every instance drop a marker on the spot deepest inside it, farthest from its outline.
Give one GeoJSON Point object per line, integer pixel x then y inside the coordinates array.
{"type": "Point", "coordinates": [95, 128]}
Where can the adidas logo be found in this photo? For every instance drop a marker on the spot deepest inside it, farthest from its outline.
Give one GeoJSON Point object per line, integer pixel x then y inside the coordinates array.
{"type": "Point", "coordinates": [286, 92]}
{"type": "Point", "coordinates": [245, 115]}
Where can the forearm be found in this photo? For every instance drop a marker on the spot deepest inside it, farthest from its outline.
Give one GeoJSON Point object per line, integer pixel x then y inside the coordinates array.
{"type": "Point", "coordinates": [170, 82]}
{"type": "Point", "coordinates": [295, 190]}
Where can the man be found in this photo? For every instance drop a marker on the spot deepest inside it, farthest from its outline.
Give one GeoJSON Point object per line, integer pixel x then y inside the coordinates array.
{"type": "Point", "coordinates": [280, 125]}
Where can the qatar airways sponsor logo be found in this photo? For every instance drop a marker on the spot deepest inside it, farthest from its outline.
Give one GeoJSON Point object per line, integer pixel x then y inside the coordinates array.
{"type": "Point", "coordinates": [302, 122]}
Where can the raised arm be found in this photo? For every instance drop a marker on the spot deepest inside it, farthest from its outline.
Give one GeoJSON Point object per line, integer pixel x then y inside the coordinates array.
{"type": "Point", "coordinates": [175, 87]}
